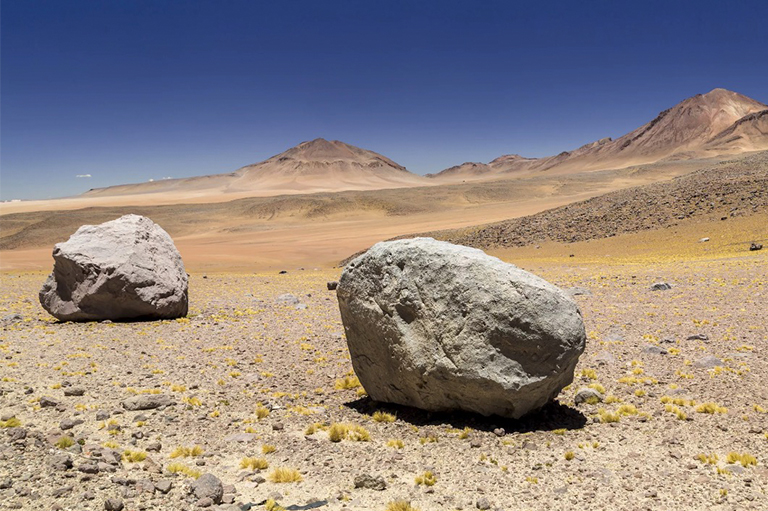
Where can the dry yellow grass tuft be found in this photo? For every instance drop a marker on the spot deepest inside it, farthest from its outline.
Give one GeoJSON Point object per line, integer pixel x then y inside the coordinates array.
{"type": "Point", "coordinates": [400, 505]}
{"type": "Point", "coordinates": [338, 432]}
{"type": "Point", "coordinates": [254, 463]}
{"type": "Point", "coordinates": [711, 408]}
{"type": "Point", "coordinates": [427, 479]}
{"type": "Point", "coordinates": [133, 456]}
{"type": "Point", "coordinates": [178, 468]}
{"type": "Point", "coordinates": [380, 416]}
{"type": "Point", "coordinates": [347, 383]}
{"type": "Point", "coordinates": [285, 475]}
{"type": "Point", "coordinates": [186, 452]}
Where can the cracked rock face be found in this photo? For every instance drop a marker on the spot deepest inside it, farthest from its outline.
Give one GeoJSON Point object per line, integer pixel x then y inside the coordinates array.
{"type": "Point", "coordinates": [445, 327]}
{"type": "Point", "coordinates": [128, 268]}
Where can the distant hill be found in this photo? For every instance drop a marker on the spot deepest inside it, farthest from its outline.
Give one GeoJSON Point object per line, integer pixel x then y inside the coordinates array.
{"type": "Point", "coordinates": [316, 165]}
{"type": "Point", "coordinates": [720, 122]}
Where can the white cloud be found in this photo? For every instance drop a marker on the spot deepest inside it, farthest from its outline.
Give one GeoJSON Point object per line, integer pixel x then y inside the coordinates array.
{"type": "Point", "coordinates": [83, 175]}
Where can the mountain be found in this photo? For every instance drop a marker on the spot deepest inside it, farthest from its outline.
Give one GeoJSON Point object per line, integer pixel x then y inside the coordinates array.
{"type": "Point", "coordinates": [325, 161]}
{"type": "Point", "coordinates": [719, 122]}
{"type": "Point", "coordinates": [750, 133]}
{"type": "Point", "coordinates": [313, 166]}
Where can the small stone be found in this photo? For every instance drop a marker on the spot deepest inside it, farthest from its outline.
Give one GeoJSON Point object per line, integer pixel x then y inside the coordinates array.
{"type": "Point", "coordinates": [499, 432]}
{"type": "Point", "coordinates": [163, 486]}
{"type": "Point", "coordinates": [277, 426]}
{"type": "Point", "coordinates": [60, 492]}
{"type": "Point", "coordinates": [60, 462]}
{"type": "Point", "coordinates": [154, 447]}
{"type": "Point", "coordinates": [147, 402]}
{"type": "Point", "coordinates": [47, 402]}
{"type": "Point", "coordinates": [708, 362]}
{"type": "Point", "coordinates": [17, 434]}
{"type": "Point", "coordinates": [5, 483]}
{"type": "Point", "coordinates": [204, 502]}
{"type": "Point", "coordinates": [661, 286]}
{"type": "Point", "coordinates": [605, 358]}
{"type": "Point", "coordinates": [578, 291]}
{"type": "Point", "coordinates": [287, 299]}
{"type": "Point", "coordinates": [588, 395]}
{"type": "Point", "coordinates": [475, 443]}
{"type": "Point", "coordinates": [102, 415]}
{"type": "Point", "coordinates": [74, 391]}
{"type": "Point", "coordinates": [698, 337]}
{"type": "Point", "coordinates": [113, 505]}
{"type": "Point", "coordinates": [755, 246]}
{"type": "Point", "coordinates": [655, 350]}
{"type": "Point", "coordinates": [88, 468]}
{"type": "Point", "coordinates": [370, 482]}
{"type": "Point", "coordinates": [70, 423]}
{"type": "Point", "coordinates": [483, 504]}
{"type": "Point", "coordinates": [332, 285]}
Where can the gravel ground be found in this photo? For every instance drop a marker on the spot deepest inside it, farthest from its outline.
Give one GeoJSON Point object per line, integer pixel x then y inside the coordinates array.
{"type": "Point", "coordinates": [252, 373]}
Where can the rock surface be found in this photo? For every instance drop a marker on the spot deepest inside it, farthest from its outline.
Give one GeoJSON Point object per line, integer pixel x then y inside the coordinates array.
{"type": "Point", "coordinates": [208, 486]}
{"type": "Point", "coordinates": [127, 268]}
{"type": "Point", "coordinates": [444, 327]}
{"type": "Point", "coordinates": [147, 402]}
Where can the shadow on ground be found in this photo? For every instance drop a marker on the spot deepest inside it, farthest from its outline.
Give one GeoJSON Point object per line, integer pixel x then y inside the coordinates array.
{"type": "Point", "coordinates": [551, 417]}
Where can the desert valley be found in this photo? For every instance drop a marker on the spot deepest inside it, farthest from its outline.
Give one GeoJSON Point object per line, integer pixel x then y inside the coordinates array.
{"type": "Point", "coordinates": [251, 400]}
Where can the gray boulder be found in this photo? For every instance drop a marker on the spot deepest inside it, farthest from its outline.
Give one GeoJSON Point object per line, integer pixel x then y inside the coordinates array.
{"type": "Point", "coordinates": [445, 327]}
{"type": "Point", "coordinates": [128, 268]}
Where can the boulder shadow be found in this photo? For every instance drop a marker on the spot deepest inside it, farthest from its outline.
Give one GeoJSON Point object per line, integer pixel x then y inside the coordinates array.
{"type": "Point", "coordinates": [552, 416]}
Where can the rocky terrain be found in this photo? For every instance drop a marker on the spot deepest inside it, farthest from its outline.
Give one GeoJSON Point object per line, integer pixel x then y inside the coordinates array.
{"type": "Point", "coordinates": [257, 383]}
{"type": "Point", "coordinates": [728, 189]}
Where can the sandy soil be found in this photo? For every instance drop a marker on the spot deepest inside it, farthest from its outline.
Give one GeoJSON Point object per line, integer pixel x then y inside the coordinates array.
{"type": "Point", "coordinates": [245, 372]}
{"type": "Point", "coordinates": [317, 230]}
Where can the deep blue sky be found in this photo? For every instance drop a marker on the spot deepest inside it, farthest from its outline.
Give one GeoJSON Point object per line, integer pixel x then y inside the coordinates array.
{"type": "Point", "coordinates": [132, 90]}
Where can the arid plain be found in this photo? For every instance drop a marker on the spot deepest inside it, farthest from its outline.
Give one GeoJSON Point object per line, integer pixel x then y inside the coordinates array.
{"type": "Point", "coordinates": [258, 379]}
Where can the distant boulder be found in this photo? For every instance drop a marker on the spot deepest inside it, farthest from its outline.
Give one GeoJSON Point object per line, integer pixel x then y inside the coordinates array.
{"type": "Point", "coordinates": [661, 286]}
{"type": "Point", "coordinates": [445, 327]}
{"type": "Point", "coordinates": [755, 246]}
{"type": "Point", "coordinates": [128, 268]}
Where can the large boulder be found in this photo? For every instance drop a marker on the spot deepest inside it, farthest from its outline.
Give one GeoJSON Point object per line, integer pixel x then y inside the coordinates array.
{"type": "Point", "coordinates": [445, 327]}
{"type": "Point", "coordinates": [128, 268]}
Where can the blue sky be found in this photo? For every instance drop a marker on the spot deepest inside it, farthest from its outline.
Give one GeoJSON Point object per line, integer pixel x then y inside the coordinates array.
{"type": "Point", "coordinates": [126, 91]}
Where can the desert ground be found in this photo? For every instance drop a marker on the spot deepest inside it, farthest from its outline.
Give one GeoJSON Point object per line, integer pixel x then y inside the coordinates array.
{"type": "Point", "coordinates": [316, 229]}
{"type": "Point", "coordinates": [255, 386]}
{"type": "Point", "coordinates": [256, 378]}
